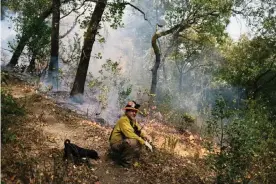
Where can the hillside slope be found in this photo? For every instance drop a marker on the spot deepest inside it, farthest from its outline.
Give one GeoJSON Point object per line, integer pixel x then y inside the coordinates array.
{"type": "Point", "coordinates": [35, 155]}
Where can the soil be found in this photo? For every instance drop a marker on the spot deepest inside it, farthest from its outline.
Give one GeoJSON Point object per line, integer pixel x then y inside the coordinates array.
{"type": "Point", "coordinates": [35, 155]}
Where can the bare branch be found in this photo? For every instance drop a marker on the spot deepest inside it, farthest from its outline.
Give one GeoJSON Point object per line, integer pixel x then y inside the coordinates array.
{"type": "Point", "coordinates": [136, 8]}
{"type": "Point", "coordinates": [123, 3]}
{"type": "Point", "coordinates": [73, 10]}
{"type": "Point", "coordinates": [237, 12]}
{"type": "Point", "coordinates": [74, 25]}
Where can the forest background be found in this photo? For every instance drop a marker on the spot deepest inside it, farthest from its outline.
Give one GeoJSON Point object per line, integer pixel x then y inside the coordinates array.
{"type": "Point", "coordinates": [174, 57]}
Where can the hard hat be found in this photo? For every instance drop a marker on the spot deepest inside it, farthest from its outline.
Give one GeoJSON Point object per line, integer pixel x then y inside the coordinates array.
{"type": "Point", "coordinates": [132, 105]}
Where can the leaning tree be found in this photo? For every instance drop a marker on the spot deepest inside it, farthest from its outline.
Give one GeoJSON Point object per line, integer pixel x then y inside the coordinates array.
{"type": "Point", "coordinates": [202, 16]}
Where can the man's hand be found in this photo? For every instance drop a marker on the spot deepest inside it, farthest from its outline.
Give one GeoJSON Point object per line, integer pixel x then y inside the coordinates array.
{"type": "Point", "coordinates": [147, 144]}
{"type": "Point", "coordinates": [148, 138]}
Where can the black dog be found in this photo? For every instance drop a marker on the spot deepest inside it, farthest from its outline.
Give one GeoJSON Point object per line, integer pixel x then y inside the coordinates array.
{"type": "Point", "coordinates": [77, 153]}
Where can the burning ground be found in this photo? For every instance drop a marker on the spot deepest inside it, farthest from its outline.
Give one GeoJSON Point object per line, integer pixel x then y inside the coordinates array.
{"type": "Point", "coordinates": [35, 153]}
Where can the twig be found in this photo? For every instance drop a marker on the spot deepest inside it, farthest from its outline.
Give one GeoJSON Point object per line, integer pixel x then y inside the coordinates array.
{"type": "Point", "coordinates": [74, 25]}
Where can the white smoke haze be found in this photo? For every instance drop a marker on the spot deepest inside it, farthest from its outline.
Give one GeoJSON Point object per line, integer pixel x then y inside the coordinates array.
{"type": "Point", "coordinates": [7, 35]}
{"type": "Point", "coordinates": [130, 46]}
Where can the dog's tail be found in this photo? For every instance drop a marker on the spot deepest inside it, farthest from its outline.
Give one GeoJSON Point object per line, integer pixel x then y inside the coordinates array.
{"type": "Point", "coordinates": [67, 141]}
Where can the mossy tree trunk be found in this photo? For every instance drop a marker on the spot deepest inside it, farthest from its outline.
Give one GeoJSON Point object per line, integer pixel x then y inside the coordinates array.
{"type": "Point", "coordinates": [89, 39]}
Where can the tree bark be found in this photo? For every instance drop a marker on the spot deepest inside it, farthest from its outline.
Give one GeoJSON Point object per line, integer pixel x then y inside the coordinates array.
{"type": "Point", "coordinates": [158, 55]}
{"type": "Point", "coordinates": [26, 36]}
{"type": "Point", "coordinates": [156, 64]}
{"type": "Point", "coordinates": [31, 67]}
{"type": "Point", "coordinates": [53, 65]}
{"type": "Point", "coordinates": [16, 54]}
{"type": "Point", "coordinates": [89, 39]}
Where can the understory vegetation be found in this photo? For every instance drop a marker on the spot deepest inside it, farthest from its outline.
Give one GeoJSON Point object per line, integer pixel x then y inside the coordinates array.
{"type": "Point", "coordinates": [10, 111]}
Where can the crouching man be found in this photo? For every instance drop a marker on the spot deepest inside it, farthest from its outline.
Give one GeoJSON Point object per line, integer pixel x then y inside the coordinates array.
{"type": "Point", "coordinates": [127, 138]}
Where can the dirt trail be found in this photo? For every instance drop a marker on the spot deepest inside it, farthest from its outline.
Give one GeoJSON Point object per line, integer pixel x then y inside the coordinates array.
{"type": "Point", "coordinates": [36, 154]}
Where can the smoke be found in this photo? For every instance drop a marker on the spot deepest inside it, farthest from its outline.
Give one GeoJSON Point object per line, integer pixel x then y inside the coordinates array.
{"type": "Point", "coordinates": [7, 35]}
{"type": "Point", "coordinates": [131, 47]}
{"type": "Point", "coordinates": [198, 90]}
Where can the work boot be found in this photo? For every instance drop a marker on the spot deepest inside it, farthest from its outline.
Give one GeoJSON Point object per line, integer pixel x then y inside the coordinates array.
{"type": "Point", "coordinates": [125, 163]}
{"type": "Point", "coordinates": [127, 158]}
{"type": "Point", "coordinates": [114, 155]}
{"type": "Point", "coordinates": [124, 153]}
{"type": "Point", "coordinates": [117, 158]}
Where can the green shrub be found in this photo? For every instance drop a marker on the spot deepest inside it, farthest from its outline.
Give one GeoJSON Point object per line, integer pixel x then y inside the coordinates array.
{"type": "Point", "coordinates": [246, 142]}
{"type": "Point", "coordinates": [181, 120]}
{"type": "Point", "coordinates": [186, 122]}
{"type": "Point", "coordinates": [9, 110]}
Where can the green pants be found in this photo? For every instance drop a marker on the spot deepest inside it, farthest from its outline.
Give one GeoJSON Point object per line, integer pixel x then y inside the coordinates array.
{"type": "Point", "coordinates": [125, 152]}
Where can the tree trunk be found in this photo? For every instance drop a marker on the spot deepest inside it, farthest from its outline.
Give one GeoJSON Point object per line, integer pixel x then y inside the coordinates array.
{"type": "Point", "coordinates": [31, 67]}
{"type": "Point", "coordinates": [180, 81]}
{"type": "Point", "coordinates": [53, 65]}
{"type": "Point", "coordinates": [16, 54]}
{"type": "Point", "coordinates": [156, 50]}
{"type": "Point", "coordinates": [26, 36]}
{"type": "Point", "coordinates": [156, 64]}
{"type": "Point", "coordinates": [3, 10]}
{"type": "Point", "coordinates": [89, 39]}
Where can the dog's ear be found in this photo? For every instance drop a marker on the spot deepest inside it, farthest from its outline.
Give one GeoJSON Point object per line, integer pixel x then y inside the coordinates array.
{"type": "Point", "coordinates": [67, 141]}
